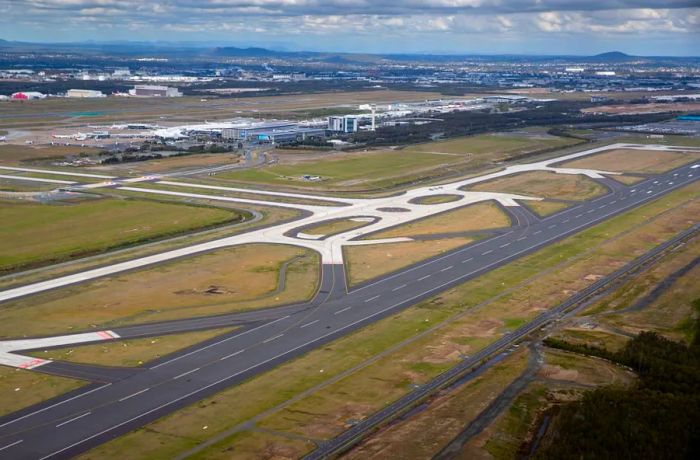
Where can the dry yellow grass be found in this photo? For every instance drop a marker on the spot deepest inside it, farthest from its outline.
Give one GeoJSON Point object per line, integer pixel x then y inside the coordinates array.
{"type": "Point", "coordinates": [334, 227]}
{"type": "Point", "coordinates": [221, 281]}
{"type": "Point", "coordinates": [173, 163]}
{"type": "Point", "coordinates": [372, 260]}
{"type": "Point", "coordinates": [422, 435]}
{"type": "Point", "coordinates": [545, 185]}
{"type": "Point", "coordinates": [23, 388]}
{"type": "Point", "coordinates": [545, 208]}
{"type": "Point", "coordinates": [634, 161]}
{"type": "Point", "coordinates": [128, 353]}
{"type": "Point", "coordinates": [627, 180]}
{"type": "Point", "coordinates": [480, 216]}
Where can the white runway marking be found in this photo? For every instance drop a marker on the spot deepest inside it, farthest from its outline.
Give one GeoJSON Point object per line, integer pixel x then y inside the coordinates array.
{"type": "Point", "coordinates": [186, 373]}
{"type": "Point", "coordinates": [73, 419]}
{"type": "Point", "coordinates": [11, 445]}
{"type": "Point", "coordinates": [134, 394]}
{"type": "Point", "coordinates": [272, 338]}
{"type": "Point", "coordinates": [309, 324]}
{"type": "Point", "coordinates": [343, 310]}
{"type": "Point", "coordinates": [233, 354]}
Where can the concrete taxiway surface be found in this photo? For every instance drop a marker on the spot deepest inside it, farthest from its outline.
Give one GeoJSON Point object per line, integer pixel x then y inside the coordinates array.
{"type": "Point", "coordinates": [66, 426]}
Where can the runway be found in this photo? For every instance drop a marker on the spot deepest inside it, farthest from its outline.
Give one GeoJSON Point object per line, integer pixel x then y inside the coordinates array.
{"type": "Point", "coordinates": [67, 426]}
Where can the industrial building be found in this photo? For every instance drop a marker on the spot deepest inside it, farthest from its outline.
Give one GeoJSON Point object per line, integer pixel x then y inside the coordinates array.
{"type": "Point", "coordinates": [81, 93]}
{"type": "Point", "coordinates": [251, 130]}
{"type": "Point", "coordinates": [154, 91]}
{"type": "Point", "coordinates": [289, 135]}
{"type": "Point", "coordinates": [26, 95]}
{"type": "Point", "coordinates": [344, 124]}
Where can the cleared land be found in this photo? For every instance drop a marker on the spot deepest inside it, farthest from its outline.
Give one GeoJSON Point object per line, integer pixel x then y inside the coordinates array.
{"type": "Point", "coordinates": [23, 388]}
{"type": "Point", "coordinates": [53, 233]}
{"type": "Point", "coordinates": [128, 353]}
{"type": "Point", "coordinates": [370, 261]}
{"type": "Point", "coordinates": [545, 185]}
{"type": "Point", "coordinates": [515, 292]}
{"type": "Point", "coordinates": [634, 161]}
{"type": "Point", "coordinates": [238, 278]}
{"type": "Point", "coordinates": [480, 216]}
{"type": "Point", "coordinates": [428, 430]}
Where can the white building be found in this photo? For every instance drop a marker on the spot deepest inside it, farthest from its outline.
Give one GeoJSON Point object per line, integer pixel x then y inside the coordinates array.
{"type": "Point", "coordinates": [80, 93]}
{"type": "Point", "coordinates": [344, 124]}
{"type": "Point", "coordinates": [154, 91]}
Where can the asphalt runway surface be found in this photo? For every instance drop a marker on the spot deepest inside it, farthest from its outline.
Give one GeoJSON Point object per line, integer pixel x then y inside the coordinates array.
{"type": "Point", "coordinates": [74, 423]}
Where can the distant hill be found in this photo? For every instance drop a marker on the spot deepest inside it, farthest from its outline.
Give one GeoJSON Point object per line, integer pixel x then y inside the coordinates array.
{"type": "Point", "coordinates": [614, 56]}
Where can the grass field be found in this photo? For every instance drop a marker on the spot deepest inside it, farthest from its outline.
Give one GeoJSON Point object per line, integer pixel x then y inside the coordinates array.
{"type": "Point", "coordinates": [370, 261]}
{"type": "Point", "coordinates": [354, 171]}
{"type": "Point", "coordinates": [634, 161]}
{"type": "Point", "coordinates": [479, 216]}
{"type": "Point", "coordinates": [129, 353]}
{"type": "Point", "coordinates": [387, 168]}
{"type": "Point", "coordinates": [53, 233]}
{"type": "Point", "coordinates": [425, 433]}
{"type": "Point", "coordinates": [163, 165]}
{"type": "Point", "coordinates": [13, 154]}
{"type": "Point", "coordinates": [545, 208]}
{"type": "Point", "coordinates": [436, 199]}
{"type": "Point", "coordinates": [23, 388]}
{"type": "Point", "coordinates": [494, 147]}
{"type": "Point", "coordinates": [544, 185]}
{"type": "Point", "coordinates": [237, 278]}
{"type": "Point", "coordinates": [334, 227]}
{"type": "Point", "coordinates": [428, 332]}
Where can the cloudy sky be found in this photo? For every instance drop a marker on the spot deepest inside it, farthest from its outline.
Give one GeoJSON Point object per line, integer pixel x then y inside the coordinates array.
{"type": "Point", "coordinates": [643, 27]}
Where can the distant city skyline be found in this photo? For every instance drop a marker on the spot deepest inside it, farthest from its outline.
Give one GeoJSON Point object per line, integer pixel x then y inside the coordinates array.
{"type": "Point", "coordinates": [638, 27]}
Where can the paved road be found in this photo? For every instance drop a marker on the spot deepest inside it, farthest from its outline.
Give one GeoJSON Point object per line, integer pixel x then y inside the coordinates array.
{"type": "Point", "coordinates": [66, 427]}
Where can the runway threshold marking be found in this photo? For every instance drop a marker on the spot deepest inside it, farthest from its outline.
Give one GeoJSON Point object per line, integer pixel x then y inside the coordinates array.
{"type": "Point", "coordinates": [134, 394]}
{"type": "Point", "coordinates": [11, 445]}
{"type": "Point", "coordinates": [73, 419]}
{"type": "Point", "coordinates": [186, 373]}
{"type": "Point", "coordinates": [309, 324]}
{"type": "Point", "coordinates": [232, 354]}
{"type": "Point", "coordinates": [341, 311]}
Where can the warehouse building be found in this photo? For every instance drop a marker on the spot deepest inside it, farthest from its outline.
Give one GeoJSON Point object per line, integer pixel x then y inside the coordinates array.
{"type": "Point", "coordinates": [251, 130]}
{"type": "Point", "coordinates": [84, 93]}
{"type": "Point", "coordinates": [154, 91]}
